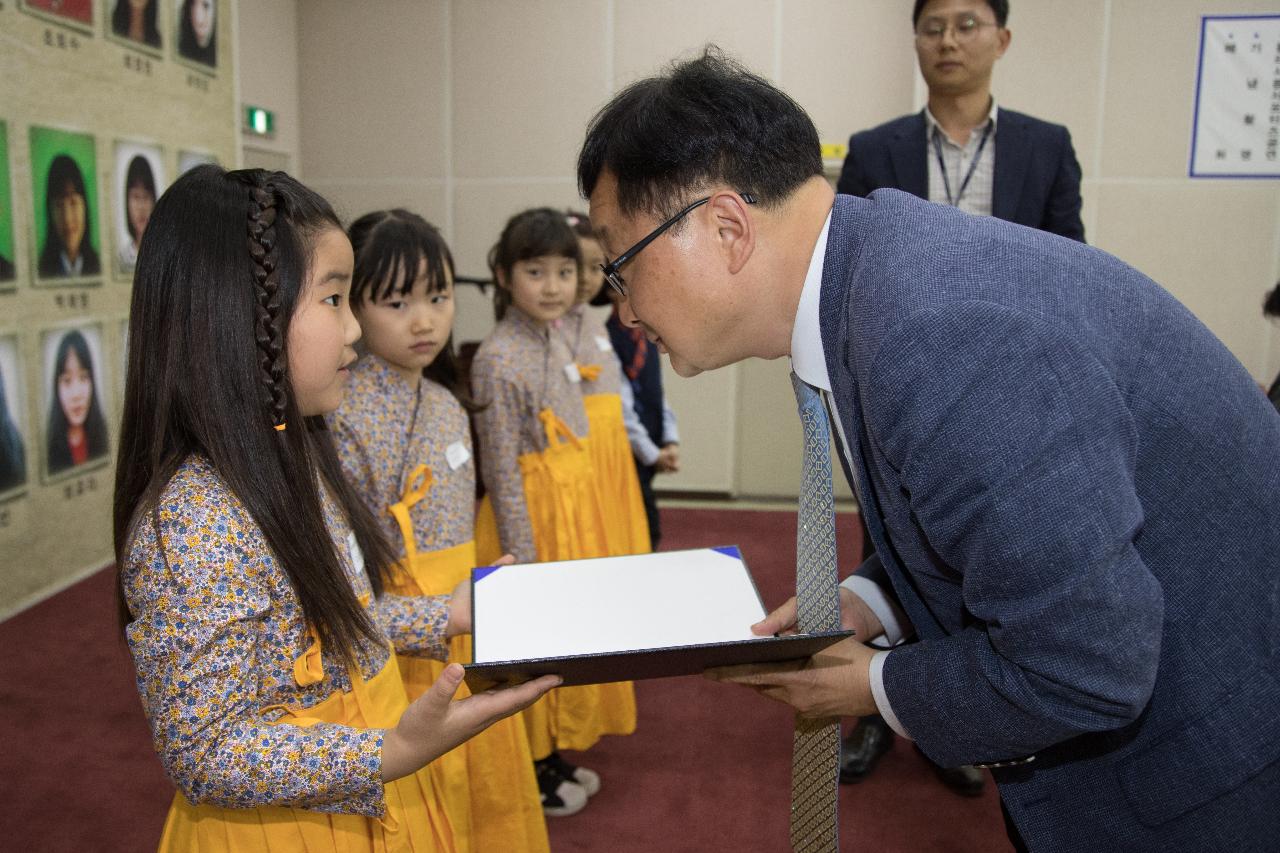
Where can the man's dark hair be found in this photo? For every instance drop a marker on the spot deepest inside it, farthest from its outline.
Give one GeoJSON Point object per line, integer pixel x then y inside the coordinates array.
{"type": "Point", "coordinates": [1000, 7]}
{"type": "Point", "coordinates": [706, 121]}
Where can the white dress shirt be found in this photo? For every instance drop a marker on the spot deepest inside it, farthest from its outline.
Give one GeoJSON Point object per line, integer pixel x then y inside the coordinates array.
{"type": "Point", "coordinates": [809, 361]}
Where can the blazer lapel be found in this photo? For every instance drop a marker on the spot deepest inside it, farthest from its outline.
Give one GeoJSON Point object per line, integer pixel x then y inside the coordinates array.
{"type": "Point", "coordinates": [1012, 159]}
{"type": "Point", "coordinates": [908, 153]}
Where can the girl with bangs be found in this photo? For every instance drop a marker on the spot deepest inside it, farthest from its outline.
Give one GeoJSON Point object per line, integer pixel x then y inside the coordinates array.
{"type": "Point", "coordinates": [252, 578]}
{"type": "Point", "coordinates": [542, 503]}
{"type": "Point", "coordinates": [405, 442]}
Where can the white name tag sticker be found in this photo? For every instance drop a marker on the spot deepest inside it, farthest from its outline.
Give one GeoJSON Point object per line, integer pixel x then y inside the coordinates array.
{"type": "Point", "coordinates": [603, 343]}
{"type": "Point", "coordinates": [357, 556]}
{"type": "Point", "coordinates": [456, 455]}
{"type": "Point", "coordinates": [571, 371]}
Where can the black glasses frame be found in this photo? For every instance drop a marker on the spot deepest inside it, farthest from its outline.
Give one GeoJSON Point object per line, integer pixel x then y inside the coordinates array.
{"type": "Point", "coordinates": [611, 268]}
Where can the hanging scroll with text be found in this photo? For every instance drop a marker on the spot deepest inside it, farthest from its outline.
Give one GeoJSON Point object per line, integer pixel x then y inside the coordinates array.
{"type": "Point", "coordinates": [1236, 133]}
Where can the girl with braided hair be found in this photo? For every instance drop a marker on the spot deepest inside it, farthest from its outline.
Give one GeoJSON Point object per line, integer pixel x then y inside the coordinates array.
{"type": "Point", "coordinates": [252, 578]}
{"type": "Point", "coordinates": [405, 441]}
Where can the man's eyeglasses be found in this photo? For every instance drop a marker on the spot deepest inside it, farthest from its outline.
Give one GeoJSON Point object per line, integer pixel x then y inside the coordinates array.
{"type": "Point", "coordinates": [964, 26]}
{"type": "Point", "coordinates": [610, 270]}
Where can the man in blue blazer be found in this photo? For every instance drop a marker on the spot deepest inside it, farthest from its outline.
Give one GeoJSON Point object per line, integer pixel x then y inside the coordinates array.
{"type": "Point", "coordinates": [963, 151]}
{"type": "Point", "coordinates": [1070, 482]}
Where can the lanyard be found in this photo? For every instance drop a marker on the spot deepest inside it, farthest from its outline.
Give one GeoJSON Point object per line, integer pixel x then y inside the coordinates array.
{"type": "Point", "coordinates": [942, 166]}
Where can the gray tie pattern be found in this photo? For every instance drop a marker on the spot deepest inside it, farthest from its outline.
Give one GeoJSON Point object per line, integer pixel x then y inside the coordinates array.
{"type": "Point", "coordinates": [815, 763]}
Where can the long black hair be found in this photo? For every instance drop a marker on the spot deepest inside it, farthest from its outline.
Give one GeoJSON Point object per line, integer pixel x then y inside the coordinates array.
{"type": "Point", "coordinates": [120, 21]}
{"type": "Point", "coordinates": [138, 175]}
{"type": "Point", "coordinates": [13, 457]}
{"type": "Point", "coordinates": [64, 172]}
{"type": "Point", "coordinates": [389, 246]}
{"type": "Point", "coordinates": [533, 233]}
{"type": "Point", "coordinates": [95, 425]}
{"type": "Point", "coordinates": [218, 278]}
{"type": "Point", "coordinates": [188, 44]}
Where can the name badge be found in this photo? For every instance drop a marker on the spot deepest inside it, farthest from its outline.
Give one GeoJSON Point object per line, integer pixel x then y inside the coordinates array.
{"type": "Point", "coordinates": [571, 371]}
{"type": "Point", "coordinates": [456, 455]}
{"type": "Point", "coordinates": [603, 344]}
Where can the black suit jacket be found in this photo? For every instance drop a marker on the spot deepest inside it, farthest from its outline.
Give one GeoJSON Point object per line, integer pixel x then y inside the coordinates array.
{"type": "Point", "coordinates": [1037, 177]}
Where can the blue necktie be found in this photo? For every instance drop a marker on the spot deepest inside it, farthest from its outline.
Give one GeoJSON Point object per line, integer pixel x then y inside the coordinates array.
{"type": "Point", "coordinates": [815, 763]}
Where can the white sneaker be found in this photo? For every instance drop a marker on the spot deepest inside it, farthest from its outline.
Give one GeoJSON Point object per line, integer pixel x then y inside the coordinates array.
{"type": "Point", "coordinates": [561, 797]}
{"type": "Point", "coordinates": [588, 779]}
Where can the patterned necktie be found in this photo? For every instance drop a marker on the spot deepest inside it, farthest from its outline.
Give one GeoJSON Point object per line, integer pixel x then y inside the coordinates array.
{"type": "Point", "coordinates": [815, 762]}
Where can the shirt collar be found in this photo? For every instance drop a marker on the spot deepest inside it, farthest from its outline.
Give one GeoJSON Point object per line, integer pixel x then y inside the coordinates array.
{"type": "Point", "coordinates": [932, 126]}
{"type": "Point", "coordinates": [808, 357]}
{"type": "Point", "coordinates": [70, 268]}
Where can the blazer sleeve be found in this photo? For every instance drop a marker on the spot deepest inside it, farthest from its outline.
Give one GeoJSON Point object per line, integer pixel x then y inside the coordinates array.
{"type": "Point", "coordinates": [1015, 452]}
{"type": "Point", "coordinates": [1062, 213]}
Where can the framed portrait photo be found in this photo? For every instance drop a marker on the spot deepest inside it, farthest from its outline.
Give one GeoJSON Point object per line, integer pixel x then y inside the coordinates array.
{"type": "Point", "coordinates": [8, 271]}
{"type": "Point", "coordinates": [136, 24]}
{"type": "Point", "coordinates": [74, 14]}
{"type": "Point", "coordinates": [64, 194]}
{"type": "Point", "coordinates": [73, 408]}
{"type": "Point", "coordinates": [139, 180]}
{"type": "Point", "coordinates": [196, 33]}
{"type": "Point", "coordinates": [14, 455]}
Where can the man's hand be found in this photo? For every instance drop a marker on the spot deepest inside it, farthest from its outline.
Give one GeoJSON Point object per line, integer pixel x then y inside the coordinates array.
{"type": "Point", "coordinates": [833, 683]}
{"type": "Point", "coordinates": [855, 616]}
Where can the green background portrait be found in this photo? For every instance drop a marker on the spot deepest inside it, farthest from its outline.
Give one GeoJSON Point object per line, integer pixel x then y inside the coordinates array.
{"type": "Point", "coordinates": [6, 198]}
{"type": "Point", "coordinates": [47, 143]}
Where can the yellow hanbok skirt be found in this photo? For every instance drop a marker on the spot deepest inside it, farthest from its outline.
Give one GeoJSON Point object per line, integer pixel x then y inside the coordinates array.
{"type": "Point", "coordinates": [626, 525]}
{"type": "Point", "coordinates": [568, 523]}
{"type": "Point", "coordinates": [415, 819]}
{"type": "Point", "coordinates": [487, 784]}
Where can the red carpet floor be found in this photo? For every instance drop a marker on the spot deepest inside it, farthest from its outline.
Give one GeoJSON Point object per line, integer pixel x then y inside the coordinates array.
{"type": "Point", "coordinates": [707, 771]}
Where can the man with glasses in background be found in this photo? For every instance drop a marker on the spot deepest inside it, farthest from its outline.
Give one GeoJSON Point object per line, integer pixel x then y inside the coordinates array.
{"type": "Point", "coordinates": [962, 151]}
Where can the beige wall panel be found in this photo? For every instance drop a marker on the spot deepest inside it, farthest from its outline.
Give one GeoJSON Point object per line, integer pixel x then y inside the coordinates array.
{"type": "Point", "coordinates": [770, 443]}
{"type": "Point", "coordinates": [706, 409]}
{"type": "Point", "coordinates": [351, 199]}
{"type": "Point", "coordinates": [480, 211]}
{"type": "Point", "coordinates": [473, 314]}
{"type": "Point", "coordinates": [526, 79]}
{"type": "Point", "coordinates": [1053, 67]}
{"type": "Point", "coordinates": [1151, 83]}
{"type": "Point", "coordinates": [1211, 244]}
{"type": "Point", "coordinates": [847, 63]}
{"type": "Point", "coordinates": [648, 34]}
{"type": "Point", "coordinates": [268, 45]}
{"type": "Point", "coordinates": [372, 90]}
{"type": "Point", "coordinates": [1089, 190]}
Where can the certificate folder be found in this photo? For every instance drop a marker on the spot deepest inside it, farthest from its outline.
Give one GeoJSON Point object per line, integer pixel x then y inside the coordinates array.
{"type": "Point", "coordinates": [622, 619]}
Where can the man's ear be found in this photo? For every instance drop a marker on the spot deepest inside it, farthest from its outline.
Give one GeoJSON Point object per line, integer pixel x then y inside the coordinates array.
{"type": "Point", "coordinates": [735, 228]}
{"type": "Point", "coordinates": [1005, 36]}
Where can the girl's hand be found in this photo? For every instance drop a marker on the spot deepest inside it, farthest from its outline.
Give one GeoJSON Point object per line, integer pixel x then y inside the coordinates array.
{"type": "Point", "coordinates": [434, 723]}
{"type": "Point", "coordinates": [460, 604]}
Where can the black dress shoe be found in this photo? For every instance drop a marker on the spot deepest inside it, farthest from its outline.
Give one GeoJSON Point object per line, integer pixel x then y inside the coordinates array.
{"type": "Point", "coordinates": [863, 748]}
{"type": "Point", "coordinates": [965, 780]}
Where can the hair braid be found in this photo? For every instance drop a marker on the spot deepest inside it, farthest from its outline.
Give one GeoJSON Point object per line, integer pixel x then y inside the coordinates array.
{"type": "Point", "coordinates": [267, 335]}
